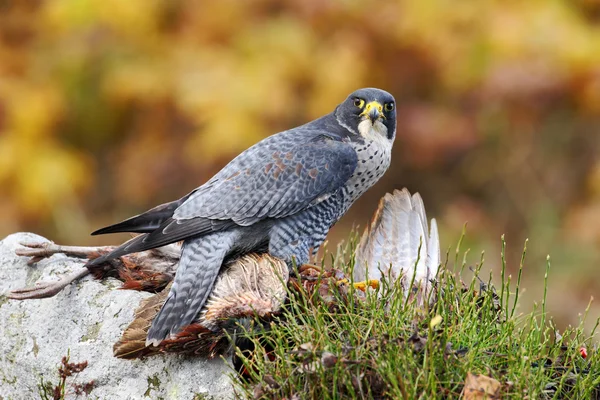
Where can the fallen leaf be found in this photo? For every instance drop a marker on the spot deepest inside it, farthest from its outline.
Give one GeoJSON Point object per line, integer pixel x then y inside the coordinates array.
{"type": "Point", "coordinates": [417, 341]}
{"type": "Point", "coordinates": [435, 321]}
{"type": "Point", "coordinates": [269, 380]}
{"type": "Point", "coordinates": [479, 387]}
{"type": "Point", "coordinates": [328, 359]}
{"type": "Point", "coordinates": [307, 347]}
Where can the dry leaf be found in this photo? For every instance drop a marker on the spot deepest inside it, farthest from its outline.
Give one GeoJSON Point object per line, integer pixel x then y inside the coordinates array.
{"type": "Point", "coordinates": [479, 387]}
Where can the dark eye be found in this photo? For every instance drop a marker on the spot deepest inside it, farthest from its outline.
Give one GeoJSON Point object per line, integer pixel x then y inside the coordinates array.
{"type": "Point", "coordinates": [388, 107]}
{"type": "Point", "coordinates": [360, 103]}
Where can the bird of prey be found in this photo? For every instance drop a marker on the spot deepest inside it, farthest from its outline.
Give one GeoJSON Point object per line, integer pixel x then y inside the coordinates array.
{"type": "Point", "coordinates": [280, 196]}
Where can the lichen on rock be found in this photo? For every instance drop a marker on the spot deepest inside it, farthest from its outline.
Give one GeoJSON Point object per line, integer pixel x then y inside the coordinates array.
{"type": "Point", "coordinates": [84, 320]}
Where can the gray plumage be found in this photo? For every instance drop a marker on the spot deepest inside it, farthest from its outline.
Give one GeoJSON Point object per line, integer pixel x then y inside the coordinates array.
{"type": "Point", "coordinates": [280, 196]}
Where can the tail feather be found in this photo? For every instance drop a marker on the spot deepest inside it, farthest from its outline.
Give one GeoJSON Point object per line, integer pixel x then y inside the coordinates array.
{"type": "Point", "coordinates": [201, 260]}
{"type": "Point", "coordinates": [145, 222]}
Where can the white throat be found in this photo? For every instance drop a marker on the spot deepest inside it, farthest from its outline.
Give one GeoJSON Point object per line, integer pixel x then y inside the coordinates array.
{"type": "Point", "coordinates": [372, 131]}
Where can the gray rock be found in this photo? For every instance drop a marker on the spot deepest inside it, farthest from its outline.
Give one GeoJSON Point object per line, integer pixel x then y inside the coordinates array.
{"type": "Point", "coordinates": [85, 320]}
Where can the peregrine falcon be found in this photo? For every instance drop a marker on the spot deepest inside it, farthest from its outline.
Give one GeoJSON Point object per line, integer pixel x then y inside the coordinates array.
{"type": "Point", "coordinates": [280, 196]}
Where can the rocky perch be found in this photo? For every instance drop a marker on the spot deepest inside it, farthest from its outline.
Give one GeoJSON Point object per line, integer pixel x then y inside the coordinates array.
{"type": "Point", "coordinates": [84, 321]}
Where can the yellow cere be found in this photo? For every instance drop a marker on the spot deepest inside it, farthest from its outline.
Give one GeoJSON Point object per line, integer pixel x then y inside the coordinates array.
{"type": "Point", "coordinates": [372, 105]}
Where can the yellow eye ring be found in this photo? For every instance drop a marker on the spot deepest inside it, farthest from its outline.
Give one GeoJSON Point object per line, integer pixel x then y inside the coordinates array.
{"type": "Point", "coordinates": [360, 103]}
{"type": "Point", "coordinates": [388, 107]}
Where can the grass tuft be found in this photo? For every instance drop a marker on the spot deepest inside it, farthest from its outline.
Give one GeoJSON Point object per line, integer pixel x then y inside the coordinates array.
{"type": "Point", "coordinates": [331, 345]}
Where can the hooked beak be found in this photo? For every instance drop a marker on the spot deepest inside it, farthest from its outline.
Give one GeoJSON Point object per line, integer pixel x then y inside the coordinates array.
{"type": "Point", "coordinates": [373, 111]}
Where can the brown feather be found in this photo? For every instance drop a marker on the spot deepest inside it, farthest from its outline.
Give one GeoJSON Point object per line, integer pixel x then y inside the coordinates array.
{"type": "Point", "coordinates": [133, 341]}
{"type": "Point", "coordinates": [250, 285]}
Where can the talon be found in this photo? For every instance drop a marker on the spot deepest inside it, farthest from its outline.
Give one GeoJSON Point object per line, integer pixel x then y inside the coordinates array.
{"type": "Point", "coordinates": [373, 283]}
{"type": "Point", "coordinates": [34, 260]}
{"type": "Point", "coordinates": [35, 245]}
{"type": "Point", "coordinates": [39, 291]}
{"type": "Point", "coordinates": [344, 281]}
{"type": "Point", "coordinates": [37, 251]}
{"type": "Point", "coordinates": [43, 290]}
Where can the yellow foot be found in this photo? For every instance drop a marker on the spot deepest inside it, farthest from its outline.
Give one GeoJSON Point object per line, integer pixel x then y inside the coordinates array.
{"type": "Point", "coordinates": [374, 283]}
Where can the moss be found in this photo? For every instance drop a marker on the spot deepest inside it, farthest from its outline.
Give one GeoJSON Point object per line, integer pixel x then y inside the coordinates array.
{"type": "Point", "coordinates": [92, 332]}
{"type": "Point", "coordinates": [35, 348]}
{"type": "Point", "coordinates": [7, 380]}
{"type": "Point", "coordinates": [15, 321]}
{"type": "Point", "coordinates": [33, 275]}
{"type": "Point", "coordinates": [203, 396]}
{"type": "Point", "coordinates": [153, 384]}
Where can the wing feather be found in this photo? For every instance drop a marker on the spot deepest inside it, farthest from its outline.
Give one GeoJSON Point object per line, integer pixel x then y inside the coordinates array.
{"type": "Point", "coordinates": [278, 181]}
{"type": "Point", "coordinates": [275, 178]}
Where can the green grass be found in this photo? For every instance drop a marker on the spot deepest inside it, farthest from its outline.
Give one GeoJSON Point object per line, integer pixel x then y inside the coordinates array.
{"type": "Point", "coordinates": [340, 347]}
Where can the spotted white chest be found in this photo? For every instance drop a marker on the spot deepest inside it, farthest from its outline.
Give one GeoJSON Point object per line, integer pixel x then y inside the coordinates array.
{"type": "Point", "coordinates": [374, 157]}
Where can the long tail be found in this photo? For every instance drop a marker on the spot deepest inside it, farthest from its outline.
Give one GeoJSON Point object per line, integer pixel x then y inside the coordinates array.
{"type": "Point", "coordinates": [145, 222]}
{"type": "Point", "coordinates": [200, 262]}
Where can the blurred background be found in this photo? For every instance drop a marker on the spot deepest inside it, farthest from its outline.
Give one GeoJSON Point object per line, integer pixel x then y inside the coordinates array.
{"type": "Point", "coordinates": [110, 107]}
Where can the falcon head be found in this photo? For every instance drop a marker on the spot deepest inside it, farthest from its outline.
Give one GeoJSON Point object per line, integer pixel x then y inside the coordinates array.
{"type": "Point", "coordinates": [368, 112]}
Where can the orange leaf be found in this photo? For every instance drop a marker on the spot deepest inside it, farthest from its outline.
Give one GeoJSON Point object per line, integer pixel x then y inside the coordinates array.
{"type": "Point", "coordinates": [479, 387]}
